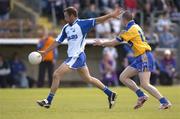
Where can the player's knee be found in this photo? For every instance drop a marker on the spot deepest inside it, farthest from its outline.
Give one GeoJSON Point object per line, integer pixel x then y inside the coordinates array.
{"type": "Point", "coordinates": [88, 79]}
{"type": "Point", "coordinates": [144, 86]}
{"type": "Point", "coordinates": [122, 77]}
{"type": "Point", "coordinates": [56, 75]}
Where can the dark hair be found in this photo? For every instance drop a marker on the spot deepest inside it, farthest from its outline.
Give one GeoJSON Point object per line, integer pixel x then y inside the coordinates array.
{"type": "Point", "coordinates": [127, 15]}
{"type": "Point", "coordinates": [71, 11]}
{"type": "Point", "coordinates": [14, 55]}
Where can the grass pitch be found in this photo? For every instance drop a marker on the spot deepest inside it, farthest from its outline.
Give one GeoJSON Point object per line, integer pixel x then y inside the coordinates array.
{"type": "Point", "coordinates": [84, 103]}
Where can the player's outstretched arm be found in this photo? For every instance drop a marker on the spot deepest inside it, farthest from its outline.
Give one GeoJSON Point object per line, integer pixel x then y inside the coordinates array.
{"type": "Point", "coordinates": [117, 12]}
{"type": "Point", "coordinates": [54, 45]}
{"type": "Point", "coordinates": [109, 43]}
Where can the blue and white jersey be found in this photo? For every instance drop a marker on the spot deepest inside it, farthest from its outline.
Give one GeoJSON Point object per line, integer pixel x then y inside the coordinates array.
{"type": "Point", "coordinates": [76, 34]}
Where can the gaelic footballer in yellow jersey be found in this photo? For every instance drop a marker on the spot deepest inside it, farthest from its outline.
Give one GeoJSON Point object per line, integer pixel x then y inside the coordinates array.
{"type": "Point", "coordinates": [136, 39]}
{"type": "Point", "coordinates": [142, 65]}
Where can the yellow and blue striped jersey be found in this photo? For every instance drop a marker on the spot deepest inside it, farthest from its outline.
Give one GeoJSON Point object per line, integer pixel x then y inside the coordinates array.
{"type": "Point", "coordinates": [135, 37]}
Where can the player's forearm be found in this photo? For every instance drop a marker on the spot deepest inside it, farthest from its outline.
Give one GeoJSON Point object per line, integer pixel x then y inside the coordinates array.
{"type": "Point", "coordinates": [103, 18]}
{"type": "Point", "coordinates": [54, 45]}
{"type": "Point", "coordinates": [113, 14]}
{"type": "Point", "coordinates": [108, 43]}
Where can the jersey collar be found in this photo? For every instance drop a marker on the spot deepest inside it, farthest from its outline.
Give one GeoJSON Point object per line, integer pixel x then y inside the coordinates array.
{"type": "Point", "coordinates": [130, 23]}
{"type": "Point", "coordinates": [74, 22]}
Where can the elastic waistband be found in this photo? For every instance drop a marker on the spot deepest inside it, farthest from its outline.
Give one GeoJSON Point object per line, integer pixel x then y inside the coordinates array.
{"type": "Point", "coordinates": [147, 51]}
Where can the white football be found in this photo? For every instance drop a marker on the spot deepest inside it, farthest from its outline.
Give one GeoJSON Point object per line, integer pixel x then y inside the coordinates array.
{"type": "Point", "coordinates": [35, 57]}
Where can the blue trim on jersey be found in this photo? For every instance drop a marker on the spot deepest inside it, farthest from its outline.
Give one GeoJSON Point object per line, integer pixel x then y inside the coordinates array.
{"type": "Point", "coordinates": [141, 36]}
{"type": "Point", "coordinates": [119, 39]}
{"type": "Point", "coordinates": [130, 24]}
{"type": "Point", "coordinates": [40, 45]}
{"type": "Point", "coordinates": [84, 36]}
{"type": "Point", "coordinates": [86, 25]}
{"type": "Point", "coordinates": [63, 34]}
{"type": "Point", "coordinates": [74, 22]}
{"type": "Point", "coordinates": [75, 35]}
{"type": "Point", "coordinates": [94, 22]}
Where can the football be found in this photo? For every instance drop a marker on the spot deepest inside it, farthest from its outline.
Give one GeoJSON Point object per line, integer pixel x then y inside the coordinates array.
{"type": "Point", "coordinates": [35, 57]}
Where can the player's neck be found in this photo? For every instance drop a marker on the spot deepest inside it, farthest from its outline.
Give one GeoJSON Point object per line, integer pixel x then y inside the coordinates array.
{"type": "Point", "coordinates": [73, 21]}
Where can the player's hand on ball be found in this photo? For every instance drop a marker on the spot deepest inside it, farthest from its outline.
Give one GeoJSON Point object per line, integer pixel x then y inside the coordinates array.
{"type": "Point", "coordinates": [97, 43]}
{"type": "Point", "coordinates": [43, 53]}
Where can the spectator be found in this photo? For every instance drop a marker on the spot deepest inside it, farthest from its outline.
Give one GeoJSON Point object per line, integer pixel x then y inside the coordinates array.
{"type": "Point", "coordinates": [104, 4]}
{"type": "Point", "coordinates": [168, 69]}
{"type": "Point", "coordinates": [116, 26]}
{"type": "Point", "coordinates": [103, 30]}
{"type": "Point", "coordinates": [131, 5]}
{"type": "Point", "coordinates": [175, 16]}
{"type": "Point", "coordinates": [147, 11]}
{"type": "Point", "coordinates": [116, 23]}
{"type": "Point", "coordinates": [90, 12]}
{"type": "Point", "coordinates": [159, 5]}
{"type": "Point", "coordinates": [47, 64]}
{"type": "Point", "coordinates": [177, 4]}
{"type": "Point", "coordinates": [163, 21]}
{"type": "Point", "coordinates": [128, 59]}
{"type": "Point", "coordinates": [151, 37]}
{"type": "Point", "coordinates": [4, 9]}
{"type": "Point", "coordinates": [155, 74]}
{"type": "Point", "coordinates": [4, 72]}
{"type": "Point", "coordinates": [112, 51]}
{"type": "Point", "coordinates": [18, 72]}
{"type": "Point", "coordinates": [59, 6]}
{"type": "Point", "coordinates": [108, 70]}
{"type": "Point", "coordinates": [167, 39]}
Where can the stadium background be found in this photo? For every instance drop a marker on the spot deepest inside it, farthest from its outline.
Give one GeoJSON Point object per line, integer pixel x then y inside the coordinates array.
{"type": "Point", "coordinates": [26, 18]}
{"type": "Point", "coordinates": [21, 24]}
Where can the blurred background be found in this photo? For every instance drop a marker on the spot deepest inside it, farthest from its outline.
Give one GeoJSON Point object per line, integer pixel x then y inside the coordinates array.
{"type": "Point", "coordinates": [29, 25]}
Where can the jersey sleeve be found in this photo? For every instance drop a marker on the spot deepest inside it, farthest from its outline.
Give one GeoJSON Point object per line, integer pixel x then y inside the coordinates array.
{"type": "Point", "coordinates": [128, 35]}
{"type": "Point", "coordinates": [40, 45]}
{"type": "Point", "coordinates": [87, 24]}
{"type": "Point", "coordinates": [61, 36]}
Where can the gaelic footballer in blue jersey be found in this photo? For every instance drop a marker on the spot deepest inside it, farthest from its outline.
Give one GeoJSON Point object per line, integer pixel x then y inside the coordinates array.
{"type": "Point", "coordinates": [75, 32]}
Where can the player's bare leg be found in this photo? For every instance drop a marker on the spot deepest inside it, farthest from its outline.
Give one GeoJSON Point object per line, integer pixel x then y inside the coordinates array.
{"type": "Point", "coordinates": [125, 79]}
{"type": "Point", "coordinates": [144, 78]}
{"type": "Point", "coordinates": [84, 73]}
{"type": "Point", "coordinates": [145, 84]}
{"type": "Point", "coordinates": [57, 76]}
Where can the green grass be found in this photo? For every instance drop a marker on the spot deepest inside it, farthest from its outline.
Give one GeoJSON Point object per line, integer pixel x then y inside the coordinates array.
{"type": "Point", "coordinates": [84, 103]}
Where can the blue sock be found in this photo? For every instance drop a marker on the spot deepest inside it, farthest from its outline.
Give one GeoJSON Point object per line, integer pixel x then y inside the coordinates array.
{"type": "Point", "coordinates": [163, 100]}
{"type": "Point", "coordinates": [50, 97]}
{"type": "Point", "coordinates": [107, 91]}
{"type": "Point", "coordinates": [139, 93]}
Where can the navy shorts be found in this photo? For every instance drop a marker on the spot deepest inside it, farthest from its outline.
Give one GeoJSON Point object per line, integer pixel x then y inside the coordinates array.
{"type": "Point", "coordinates": [76, 62]}
{"type": "Point", "coordinates": [144, 62]}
